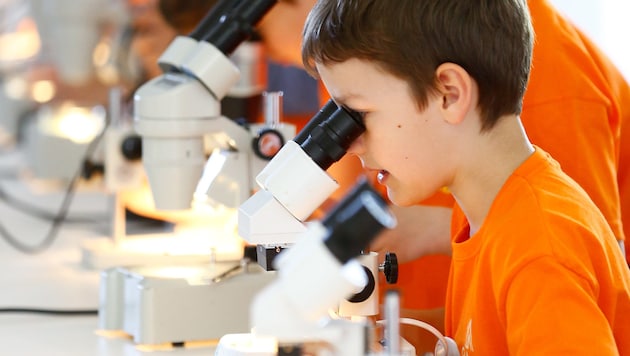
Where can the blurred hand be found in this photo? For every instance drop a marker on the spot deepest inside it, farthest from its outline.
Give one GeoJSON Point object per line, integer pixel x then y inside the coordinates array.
{"type": "Point", "coordinates": [281, 30]}
{"type": "Point", "coordinates": [420, 231]}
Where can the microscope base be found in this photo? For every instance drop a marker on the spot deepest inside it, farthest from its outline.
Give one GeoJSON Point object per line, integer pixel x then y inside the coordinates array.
{"type": "Point", "coordinates": [249, 344]}
{"type": "Point", "coordinates": [178, 304]}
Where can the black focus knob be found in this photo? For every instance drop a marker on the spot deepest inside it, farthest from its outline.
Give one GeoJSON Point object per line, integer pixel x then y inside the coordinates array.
{"type": "Point", "coordinates": [390, 268]}
{"type": "Point", "coordinates": [267, 143]}
{"type": "Point", "coordinates": [131, 148]}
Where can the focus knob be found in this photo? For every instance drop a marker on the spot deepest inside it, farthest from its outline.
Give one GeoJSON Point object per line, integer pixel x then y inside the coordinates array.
{"type": "Point", "coordinates": [390, 268]}
{"type": "Point", "coordinates": [131, 148]}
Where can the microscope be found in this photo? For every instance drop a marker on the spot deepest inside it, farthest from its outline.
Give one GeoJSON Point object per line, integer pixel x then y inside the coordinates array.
{"type": "Point", "coordinates": [314, 274]}
{"type": "Point", "coordinates": [174, 113]}
{"type": "Point", "coordinates": [300, 313]}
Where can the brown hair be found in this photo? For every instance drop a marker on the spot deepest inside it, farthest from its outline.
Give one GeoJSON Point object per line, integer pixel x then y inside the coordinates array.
{"type": "Point", "coordinates": [491, 39]}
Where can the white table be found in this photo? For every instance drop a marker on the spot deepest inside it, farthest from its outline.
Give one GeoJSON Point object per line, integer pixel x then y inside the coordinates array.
{"type": "Point", "coordinates": [54, 279]}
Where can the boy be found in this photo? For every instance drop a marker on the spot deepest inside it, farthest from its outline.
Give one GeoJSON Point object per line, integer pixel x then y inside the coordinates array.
{"type": "Point", "coordinates": [536, 268]}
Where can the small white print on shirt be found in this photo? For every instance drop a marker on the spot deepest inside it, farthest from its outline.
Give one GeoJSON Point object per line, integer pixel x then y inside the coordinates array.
{"type": "Point", "coordinates": [468, 346]}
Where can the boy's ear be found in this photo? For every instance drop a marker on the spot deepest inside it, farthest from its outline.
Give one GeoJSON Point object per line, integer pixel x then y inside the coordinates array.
{"type": "Point", "coordinates": [456, 90]}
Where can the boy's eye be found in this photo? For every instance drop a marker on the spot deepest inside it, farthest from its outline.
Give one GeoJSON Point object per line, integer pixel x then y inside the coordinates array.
{"type": "Point", "coordinates": [360, 114]}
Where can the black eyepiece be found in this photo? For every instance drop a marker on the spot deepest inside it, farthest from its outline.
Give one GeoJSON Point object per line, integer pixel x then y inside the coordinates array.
{"type": "Point", "coordinates": [356, 221]}
{"type": "Point", "coordinates": [327, 137]}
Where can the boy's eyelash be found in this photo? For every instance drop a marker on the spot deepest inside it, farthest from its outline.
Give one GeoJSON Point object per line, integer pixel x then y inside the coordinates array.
{"type": "Point", "coordinates": [361, 114]}
{"type": "Point", "coordinates": [358, 112]}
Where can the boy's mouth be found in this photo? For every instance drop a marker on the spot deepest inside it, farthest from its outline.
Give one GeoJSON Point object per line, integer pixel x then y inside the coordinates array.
{"type": "Point", "coordinates": [382, 176]}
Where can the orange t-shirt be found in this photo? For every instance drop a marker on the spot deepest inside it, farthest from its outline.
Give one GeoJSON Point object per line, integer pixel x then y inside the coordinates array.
{"type": "Point", "coordinates": [543, 275]}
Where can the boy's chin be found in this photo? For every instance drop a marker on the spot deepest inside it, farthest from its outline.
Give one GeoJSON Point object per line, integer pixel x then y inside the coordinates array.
{"type": "Point", "coordinates": [398, 199]}
{"type": "Point", "coordinates": [405, 197]}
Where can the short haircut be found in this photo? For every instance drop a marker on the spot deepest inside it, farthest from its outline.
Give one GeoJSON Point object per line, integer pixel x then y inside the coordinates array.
{"type": "Point", "coordinates": [491, 39]}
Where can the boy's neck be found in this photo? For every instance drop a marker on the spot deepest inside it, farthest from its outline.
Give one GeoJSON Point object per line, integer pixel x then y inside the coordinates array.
{"type": "Point", "coordinates": [486, 166]}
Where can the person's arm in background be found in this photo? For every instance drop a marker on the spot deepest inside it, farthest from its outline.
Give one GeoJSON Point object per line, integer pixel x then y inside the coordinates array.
{"type": "Point", "coordinates": [420, 231]}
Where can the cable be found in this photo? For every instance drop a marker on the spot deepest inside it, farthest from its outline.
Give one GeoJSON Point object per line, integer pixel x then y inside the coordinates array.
{"type": "Point", "coordinates": [428, 327]}
{"type": "Point", "coordinates": [41, 213]}
{"type": "Point", "coordinates": [63, 209]}
{"type": "Point", "coordinates": [63, 312]}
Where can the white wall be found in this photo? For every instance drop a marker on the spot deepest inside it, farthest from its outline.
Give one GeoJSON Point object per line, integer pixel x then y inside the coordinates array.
{"type": "Point", "coordinates": [607, 22]}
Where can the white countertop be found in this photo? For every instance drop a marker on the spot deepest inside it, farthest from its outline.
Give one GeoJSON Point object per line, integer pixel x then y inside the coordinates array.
{"type": "Point", "coordinates": [54, 279]}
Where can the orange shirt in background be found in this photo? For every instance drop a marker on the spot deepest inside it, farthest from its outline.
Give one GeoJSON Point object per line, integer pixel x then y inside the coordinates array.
{"type": "Point", "coordinates": [543, 275]}
{"type": "Point", "coordinates": [577, 108]}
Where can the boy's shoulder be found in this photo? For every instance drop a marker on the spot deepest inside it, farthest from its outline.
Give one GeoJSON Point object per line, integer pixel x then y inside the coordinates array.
{"type": "Point", "coordinates": [541, 211]}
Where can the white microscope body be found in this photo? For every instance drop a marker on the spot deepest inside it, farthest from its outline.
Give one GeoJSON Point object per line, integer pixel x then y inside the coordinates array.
{"type": "Point", "coordinates": [318, 271]}
{"type": "Point", "coordinates": [295, 183]}
{"type": "Point", "coordinates": [176, 112]}
{"type": "Point", "coordinates": [323, 293]}
{"type": "Point", "coordinates": [298, 313]}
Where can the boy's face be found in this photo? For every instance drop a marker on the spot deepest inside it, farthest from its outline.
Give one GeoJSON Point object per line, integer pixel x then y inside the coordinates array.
{"type": "Point", "coordinates": [404, 146]}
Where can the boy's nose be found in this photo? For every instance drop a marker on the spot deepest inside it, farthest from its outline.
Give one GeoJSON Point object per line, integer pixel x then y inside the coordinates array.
{"type": "Point", "coordinates": [357, 147]}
